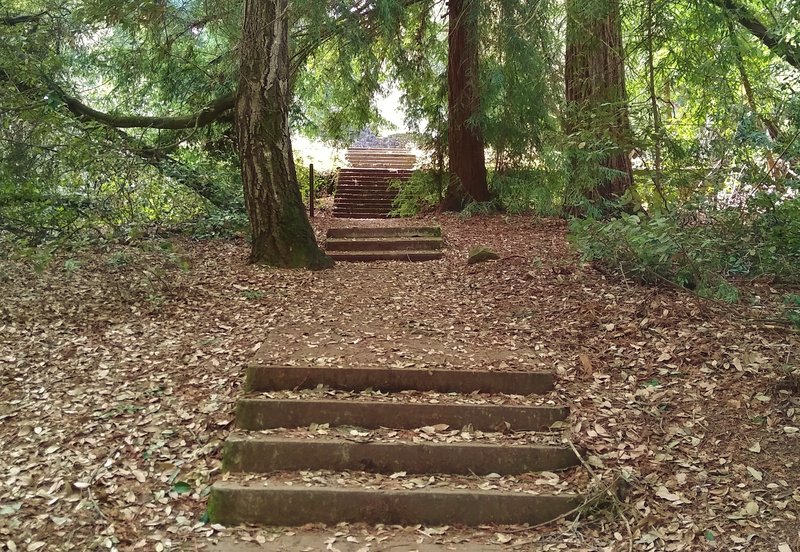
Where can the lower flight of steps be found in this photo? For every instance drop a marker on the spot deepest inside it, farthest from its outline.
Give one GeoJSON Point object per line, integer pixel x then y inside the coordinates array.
{"type": "Point", "coordinates": [366, 192]}
{"type": "Point", "coordinates": [394, 446]}
{"type": "Point", "coordinates": [390, 243]}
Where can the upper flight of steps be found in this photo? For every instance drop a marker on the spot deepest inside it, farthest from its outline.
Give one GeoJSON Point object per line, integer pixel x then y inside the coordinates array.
{"type": "Point", "coordinates": [393, 446]}
{"type": "Point", "coordinates": [364, 190]}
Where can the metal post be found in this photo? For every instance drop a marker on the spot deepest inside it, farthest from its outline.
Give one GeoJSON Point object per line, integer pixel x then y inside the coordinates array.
{"type": "Point", "coordinates": [311, 189]}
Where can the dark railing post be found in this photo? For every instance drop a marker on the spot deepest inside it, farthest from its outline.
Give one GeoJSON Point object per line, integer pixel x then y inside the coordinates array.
{"type": "Point", "coordinates": [311, 190]}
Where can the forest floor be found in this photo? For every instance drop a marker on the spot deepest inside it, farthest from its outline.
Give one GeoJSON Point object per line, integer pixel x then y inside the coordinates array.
{"type": "Point", "coordinates": [120, 366]}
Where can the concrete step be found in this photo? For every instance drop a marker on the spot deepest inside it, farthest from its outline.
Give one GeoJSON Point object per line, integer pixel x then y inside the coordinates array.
{"type": "Point", "coordinates": [383, 231]}
{"type": "Point", "coordinates": [363, 193]}
{"type": "Point", "coordinates": [361, 208]}
{"type": "Point", "coordinates": [382, 244]}
{"type": "Point", "coordinates": [351, 212]}
{"type": "Point", "coordinates": [349, 206]}
{"type": "Point", "coordinates": [359, 216]}
{"type": "Point", "coordinates": [379, 198]}
{"type": "Point", "coordinates": [351, 184]}
{"type": "Point", "coordinates": [384, 163]}
{"type": "Point", "coordinates": [262, 453]}
{"type": "Point", "coordinates": [258, 413]}
{"type": "Point", "coordinates": [368, 172]}
{"type": "Point", "coordinates": [277, 378]}
{"type": "Point", "coordinates": [364, 204]}
{"type": "Point", "coordinates": [369, 256]}
{"type": "Point", "coordinates": [254, 502]}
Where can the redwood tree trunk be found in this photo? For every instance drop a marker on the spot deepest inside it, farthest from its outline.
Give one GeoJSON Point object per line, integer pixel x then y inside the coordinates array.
{"type": "Point", "coordinates": [281, 233]}
{"type": "Point", "coordinates": [465, 139]}
{"type": "Point", "coordinates": [596, 99]}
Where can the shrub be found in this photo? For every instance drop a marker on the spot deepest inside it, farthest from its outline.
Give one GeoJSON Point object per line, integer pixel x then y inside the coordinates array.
{"type": "Point", "coordinates": [705, 252]}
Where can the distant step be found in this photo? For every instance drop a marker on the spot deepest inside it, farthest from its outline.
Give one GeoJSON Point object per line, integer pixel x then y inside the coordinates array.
{"type": "Point", "coordinates": [255, 502]}
{"type": "Point", "coordinates": [385, 243]}
{"type": "Point", "coordinates": [260, 413]}
{"type": "Point", "coordinates": [372, 175]}
{"type": "Point", "coordinates": [384, 231]}
{"type": "Point", "coordinates": [367, 256]}
{"type": "Point", "coordinates": [382, 244]}
{"type": "Point", "coordinates": [262, 453]}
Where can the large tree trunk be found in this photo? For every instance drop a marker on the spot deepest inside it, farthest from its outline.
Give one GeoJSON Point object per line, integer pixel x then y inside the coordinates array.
{"type": "Point", "coordinates": [465, 139]}
{"type": "Point", "coordinates": [281, 233]}
{"type": "Point", "coordinates": [597, 108]}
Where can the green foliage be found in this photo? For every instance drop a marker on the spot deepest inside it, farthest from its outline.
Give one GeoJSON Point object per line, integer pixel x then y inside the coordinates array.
{"type": "Point", "coordinates": [219, 224]}
{"type": "Point", "coordinates": [422, 192]}
{"type": "Point", "coordinates": [479, 209]}
{"type": "Point", "coordinates": [792, 309]}
{"type": "Point", "coordinates": [705, 255]}
{"type": "Point", "coordinates": [532, 191]}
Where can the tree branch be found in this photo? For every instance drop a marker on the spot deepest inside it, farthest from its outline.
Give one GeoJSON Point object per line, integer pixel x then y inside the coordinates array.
{"type": "Point", "coordinates": [740, 14]}
{"type": "Point", "coordinates": [207, 115]}
{"type": "Point", "coordinates": [11, 20]}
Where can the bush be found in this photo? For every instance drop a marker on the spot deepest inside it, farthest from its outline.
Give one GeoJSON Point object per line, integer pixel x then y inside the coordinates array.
{"type": "Point", "coordinates": [528, 191]}
{"type": "Point", "coordinates": [705, 251]}
{"type": "Point", "coordinates": [422, 192]}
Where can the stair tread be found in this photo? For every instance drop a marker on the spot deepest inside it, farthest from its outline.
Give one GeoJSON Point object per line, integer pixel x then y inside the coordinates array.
{"type": "Point", "coordinates": [254, 413]}
{"type": "Point", "coordinates": [533, 484]}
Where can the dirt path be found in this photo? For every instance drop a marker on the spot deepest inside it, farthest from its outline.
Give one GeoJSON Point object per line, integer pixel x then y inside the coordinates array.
{"type": "Point", "coordinates": [118, 372]}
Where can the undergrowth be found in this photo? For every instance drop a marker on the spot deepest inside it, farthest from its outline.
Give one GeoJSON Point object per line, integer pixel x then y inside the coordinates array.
{"type": "Point", "coordinates": [706, 250]}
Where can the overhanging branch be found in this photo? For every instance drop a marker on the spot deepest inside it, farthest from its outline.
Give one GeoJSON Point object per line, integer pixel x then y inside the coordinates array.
{"type": "Point", "coordinates": [768, 38]}
{"type": "Point", "coordinates": [207, 115]}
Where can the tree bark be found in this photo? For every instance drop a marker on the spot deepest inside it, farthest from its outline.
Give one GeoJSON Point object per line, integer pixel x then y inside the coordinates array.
{"type": "Point", "coordinates": [597, 99]}
{"type": "Point", "coordinates": [281, 233]}
{"type": "Point", "coordinates": [465, 138]}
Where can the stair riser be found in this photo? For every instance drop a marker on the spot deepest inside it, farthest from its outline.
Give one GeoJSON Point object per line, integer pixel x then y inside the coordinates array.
{"type": "Point", "coordinates": [370, 179]}
{"type": "Point", "coordinates": [360, 216]}
{"type": "Point", "coordinates": [384, 232]}
{"type": "Point", "coordinates": [277, 454]}
{"type": "Point", "coordinates": [349, 213]}
{"type": "Point", "coordinates": [232, 504]}
{"type": "Point", "coordinates": [395, 245]}
{"type": "Point", "coordinates": [369, 256]}
{"type": "Point", "coordinates": [257, 414]}
{"type": "Point", "coordinates": [277, 378]}
{"type": "Point", "coordinates": [375, 173]}
{"type": "Point", "coordinates": [362, 193]}
{"type": "Point", "coordinates": [381, 187]}
{"type": "Point", "coordinates": [356, 201]}
{"type": "Point", "coordinates": [361, 209]}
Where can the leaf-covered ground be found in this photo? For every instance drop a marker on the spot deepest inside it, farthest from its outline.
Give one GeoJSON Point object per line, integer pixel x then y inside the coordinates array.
{"type": "Point", "coordinates": [119, 368]}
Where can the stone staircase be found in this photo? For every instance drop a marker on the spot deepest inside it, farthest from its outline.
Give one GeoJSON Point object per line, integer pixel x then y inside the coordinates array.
{"type": "Point", "coordinates": [331, 445]}
{"type": "Point", "coordinates": [391, 243]}
{"type": "Point", "coordinates": [364, 190]}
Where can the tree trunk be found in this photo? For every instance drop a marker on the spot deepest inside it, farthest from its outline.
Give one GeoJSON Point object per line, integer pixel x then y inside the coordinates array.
{"type": "Point", "coordinates": [465, 138]}
{"type": "Point", "coordinates": [281, 233]}
{"type": "Point", "coordinates": [596, 98]}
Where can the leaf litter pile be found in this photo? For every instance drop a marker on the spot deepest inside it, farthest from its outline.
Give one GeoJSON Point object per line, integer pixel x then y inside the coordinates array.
{"type": "Point", "coordinates": [120, 367]}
